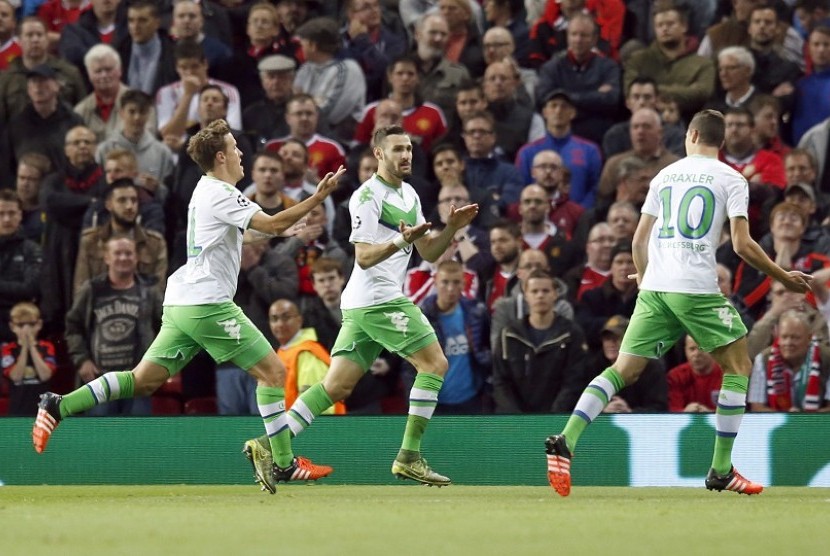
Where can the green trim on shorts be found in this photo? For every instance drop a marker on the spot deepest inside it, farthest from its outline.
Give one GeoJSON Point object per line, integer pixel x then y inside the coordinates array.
{"type": "Point", "coordinates": [221, 329]}
{"type": "Point", "coordinates": [661, 318]}
{"type": "Point", "coordinates": [398, 326]}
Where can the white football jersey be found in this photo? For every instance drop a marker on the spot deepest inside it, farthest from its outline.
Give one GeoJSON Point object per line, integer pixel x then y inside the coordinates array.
{"type": "Point", "coordinates": [217, 217]}
{"type": "Point", "coordinates": [692, 199]}
{"type": "Point", "coordinates": [376, 209]}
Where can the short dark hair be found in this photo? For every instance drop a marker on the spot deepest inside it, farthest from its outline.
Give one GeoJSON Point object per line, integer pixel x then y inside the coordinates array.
{"type": "Point", "coordinates": [215, 87]}
{"type": "Point", "coordinates": [382, 133]}
{"type": "Point", "coordinates": [323, 32]}
{"type": "Point", "coordinates": [445, 147]}
{"type": "Point", "coordinates": [450, 265]}
{"type": "Point", "coordinates": [508, 226]}
{"type": "Point", "coordinates": [203, 146]}
{"type": "Point", "coordinates": [622, 246]}
{"type": "Point", "coordinates": [759, 102]}
{"type": "Point", "coordinates": [740, 111]}
{"type": "Point", "coordinates": [121, 183]}
{"type": "Point", "coordinates": [539, 274]}
{"type": "Point", "coordinates": [38, 161]}
{"type": "Point", "coordinates": [10, 196]}
{"type": "Point", "coordinates": [275, 156]}
{"type": "Point", "coordinates": [139, 4]}
{"type": "Point", "coordinates": [142, 100]}
{"type": "Point", "coordinates": [643, 80]}
{"type": "Point", "coordinates": [710, 126]}
{"type": "Point", "coordinates": [189, 49]}
{"type": "Point", "coordinates": [292, 141]}
{"type": "Point", "coordinates": [481, 115]}
{"type": "Point", "coordinates": [326, 264]}
{"type": "Point", "coordinates": [402, 59]}
{"type": "Point", "coordinates": [807, 153]}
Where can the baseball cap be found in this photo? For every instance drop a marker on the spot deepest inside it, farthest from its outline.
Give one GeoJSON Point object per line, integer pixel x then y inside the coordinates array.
{"type": "Point", "coordinates": [42, 70]}
{"type": "Point", "coordinates": [804, 188]}
{"type": "Point", "coordinates": [558, 93]}
{"type": "Point", "coordinates": [276, 62]}
{"type": "Point", "coordinates": [615, 325]}
{"type": "Point", "coordinates": [622, 246]}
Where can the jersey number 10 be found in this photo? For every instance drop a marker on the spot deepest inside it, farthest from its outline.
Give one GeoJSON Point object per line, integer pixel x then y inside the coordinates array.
{"type": "Point", "coordinates": [681, 222]}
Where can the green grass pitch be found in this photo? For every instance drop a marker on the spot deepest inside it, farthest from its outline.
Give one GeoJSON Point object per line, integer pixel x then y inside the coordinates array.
{"type": "Point", "coordinates": [317, 519]}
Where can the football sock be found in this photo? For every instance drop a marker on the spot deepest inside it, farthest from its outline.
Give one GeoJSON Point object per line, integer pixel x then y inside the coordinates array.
{"type": "Point", "coordinates": [308, 405]}
{"type": "Point", "coordinates": [591, 403]}
{"type": "Point", "coordinates": [107, 387]}
{"type": "Point", "coordinates": [271, 403]}
{"type": "Point", "coordinates": [422, 401]}
{"type": "Point", "coordinates": [728, 415]}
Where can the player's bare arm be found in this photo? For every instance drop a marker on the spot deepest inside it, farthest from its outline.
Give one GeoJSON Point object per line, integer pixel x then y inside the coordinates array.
{"type": "Point", "coordinates": [639, 245]}
{"type": "Point", "coordinates": [749, 250]}
{"type": "Point", "coordinates": [277, 224]}
{"type": "Point", "coordinates": [368, 254]}
{"type": "Point", "coordinates": [433, 246]}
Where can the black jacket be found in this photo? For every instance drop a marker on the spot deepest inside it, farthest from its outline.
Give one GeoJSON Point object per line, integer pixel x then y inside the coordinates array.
{"type": "Point", "coordinates": [529, 378]}
{"type": "Point", "coordinates": [20, 262]}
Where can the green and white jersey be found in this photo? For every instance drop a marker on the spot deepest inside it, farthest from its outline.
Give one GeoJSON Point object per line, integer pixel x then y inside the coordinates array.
{"type": "Point", "coordinates": [692, 199]}
{"type": "Point", "coordinates": [376, 209]}
{"type": "Point", "coordinates": [217, 216]}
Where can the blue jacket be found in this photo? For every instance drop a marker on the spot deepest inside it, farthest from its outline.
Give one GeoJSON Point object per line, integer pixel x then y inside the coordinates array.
{"type": "Point", "coordinates": [812, 102]}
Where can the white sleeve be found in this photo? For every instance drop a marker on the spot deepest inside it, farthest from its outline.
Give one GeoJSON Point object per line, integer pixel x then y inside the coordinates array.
{"type": "Point", "coordinates": [737, 197]}
{"type": "Point", "coordinates": [364, 209]}
{"type": "Point", "coordinates": [235, 208]}
{"type": "Point", "coordinates": [651, 205]}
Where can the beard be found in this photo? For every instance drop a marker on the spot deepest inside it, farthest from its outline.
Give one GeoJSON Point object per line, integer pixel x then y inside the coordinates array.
{"type": "Point", "coordinates": [123, 222]}
{"type": "Point", "coordinates": [671, 44]}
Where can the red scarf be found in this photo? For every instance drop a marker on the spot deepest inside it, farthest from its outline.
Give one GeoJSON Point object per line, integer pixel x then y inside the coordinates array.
{"type": "Point", "coordinates": [780, 379]}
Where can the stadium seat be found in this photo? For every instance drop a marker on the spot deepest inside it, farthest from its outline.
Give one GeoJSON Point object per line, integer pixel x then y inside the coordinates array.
{"type": "Point", "coordinates": [4, 406]}
{"type": "Point", "coordinates": [166, 405]}
{"type": "Point", "coordinates": [200, 406]}
{"type": "Point", "coordinates": [171, 387]}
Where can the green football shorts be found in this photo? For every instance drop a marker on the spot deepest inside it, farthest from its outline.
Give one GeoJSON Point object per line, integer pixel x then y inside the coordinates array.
{"type": "Point", "coordinates": [398, 326]}
{"type": "Point", "coordinates": [221, 329]}
{"type": "Point", "coordinates": [660, 318]}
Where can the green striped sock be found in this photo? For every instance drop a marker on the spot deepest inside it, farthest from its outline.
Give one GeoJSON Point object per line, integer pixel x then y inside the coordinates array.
{"type": "Point", "coordinates": [591, 403]}
{"type": "Point", "coordinates": [107, 387]}
{"type": "Point", "coordinates": [728, 416]}
{"type": "Point", "coordinates": [271, 403]}
{"type": "Point", "coordinates": [422, 401]}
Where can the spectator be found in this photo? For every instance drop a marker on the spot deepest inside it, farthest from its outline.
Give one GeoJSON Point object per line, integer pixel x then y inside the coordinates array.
{"type": "Point", "coordinates": [592, 81]}
{"type": "Point", "coordinates": [20, 262]}
{"type": "Point", "coordinates": [35, 53]}
{"type": "Point", "coordinates": [684, 75]}
{"type": "Point", "coordinates": [99, 109]}
{"type": "Point", "coordinates": [647, 395]}
{"type": "Point", "coordinates": [792, 374]}
{"type": "Point", "coordinates": [31, 169]}
{"type": "Point", "coordinates": [147, 51]}
{"type": "Point", "coordinates": [498, 44]}
{"type": "Point", "coordinates": [152, 195]}
{"type": "Point", "coordinates": [816, 237]}
{"type": "Point", "coordinates": [306, 361]}
{"type": "Point", "coordinates": [264, 277]}
{"type": "Point", "coordinates": [694, 385]}
{"type": "Point", "coordinates": [188, 25]}
{"type": "Point", "coordinates": [114, 318]}
{"type": "Point", "coordinates": [531, 372]}
{"type": "Point", "coordinates": [736, 66]}
{"type": "Point", "coordinates": [507, 15]}
{"type": "Point", "coordinates": [420, 281]}
{"type": "Point", "coordinates": [538, 232]}
{"type": "Point", "coordinates": [440, 78]}
{"type": "Point", "coordinates": [322, 312]}
{"type": "Point", "coordinates": [153, 156]}
{"type": "Point", "coordinates": [499, 274]}
{"type": "Point", "coordinates": [424, 121]}
{"type": "Point", "coordinates": [295, 158]}
{"type": "Point", "coordinates": [99, 24]}
{"type": "Point", "coordinates": [807, 163]}
{"type": "Point", "coordinates": [57, 14]}
{"type": "Point", "coordinates": [371, 43]}
{"type": "Point", "coordinates": [597, 267]}
{"type": "Point", "coordinates": [303, 117]}
{"type": "Point", "coordinates": [177, 104]}
{"type": "Point", "coordinates": [268, 181]}
{"type": "Point", "coordinates": [580, 156]}
{"type": "Point", "coordinates": [151, 250]}
{"type": "Point", "coordinates": [337, 86]}
{"type": "Point", "coordinates": [449, 169]}
{"type": "Point", "coordinates": [616, 296]}
{"type": "Point", "coordinates": [622, 217]}
{"type": "Point", "coordinates": [766, 111]}
{"type": "Point", "coordinates": [483, 171]}
{"type": "Point", "coordinates": [758, 166]}
{"type": "Point", "coordinates": [811, 91]}
{"type": "Point", "coordinates": [27, 362]}
{"type": "Point", "coordinates": [646, 144]}
{"type": "Point", "coordinates": [464, 40]}
{"type": "Point", "coordinates": [776, 72]}
{"type": "Point", "coordinates": [9, 44]}
{"type": "Point", "coordinates": [549, 173]}
{"type": "Point", "coordinates": [65, 197]}
{"type": "Point", "coordinates": [515, 121]}
{"type": "Point", "coordinates": [514, 305]}
{"type": "Point", "coordinates": [642, 93]}
{"type": "Point", "coordinates": [265, 118]}
{"type": "Point", "coordinates": [42, 124]}
{"type": "Point", "coordinates": [462, 327]}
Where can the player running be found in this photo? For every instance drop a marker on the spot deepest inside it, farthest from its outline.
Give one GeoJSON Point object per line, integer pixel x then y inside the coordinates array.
{"type": "Point", "coordinates": [199, 312]}
{"type": "Point", "coordinates": [386, 222]}
{"type": "Point", "coordinates": [689, 200]}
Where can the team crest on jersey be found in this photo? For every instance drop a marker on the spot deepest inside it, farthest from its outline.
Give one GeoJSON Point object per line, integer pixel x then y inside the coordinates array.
{"type": "Point", "coordinates": [232, 328]}
{"type": "Point", "coordinates": [366, 194]}
{"type": "Point", "coordinates": [399, 320]}
{"type": "Point", "coordinates": [725, 316]}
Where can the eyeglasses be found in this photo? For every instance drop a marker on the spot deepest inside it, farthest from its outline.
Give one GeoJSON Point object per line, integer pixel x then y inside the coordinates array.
{"type": "Point", "coordinates": [283, 318]}
{"type": "Point", "coordinates": [547, 167]}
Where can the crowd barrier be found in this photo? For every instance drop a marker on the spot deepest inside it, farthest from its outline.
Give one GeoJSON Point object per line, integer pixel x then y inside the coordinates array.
{"type": "Point", "coordinates": [618, 450]}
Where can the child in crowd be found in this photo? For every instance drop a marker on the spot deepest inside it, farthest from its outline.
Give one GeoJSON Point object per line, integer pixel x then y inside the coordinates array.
{"type": "Point", "coordinates": [28, 363]}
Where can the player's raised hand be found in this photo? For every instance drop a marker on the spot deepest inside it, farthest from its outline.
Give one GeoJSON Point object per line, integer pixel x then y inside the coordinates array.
{"type": "Point", "coordinates": [461, 217]}
{"type": "Point", "coordinates": [797, 281]}
{"type": "Point", "coordinates": [329, 182]}
{"type": "Point", "coordinates": [413, 233]}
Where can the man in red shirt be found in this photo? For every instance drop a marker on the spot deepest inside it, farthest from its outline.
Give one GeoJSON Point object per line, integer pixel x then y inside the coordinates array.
{"type": "Point", "coordinates": [9, 47]}
{"type": "Point", "coordinates": [694, 385]}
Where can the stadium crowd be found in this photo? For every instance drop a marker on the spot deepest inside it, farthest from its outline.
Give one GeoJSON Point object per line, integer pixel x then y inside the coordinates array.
{"type": "Point", "coordinates": [552, 115]}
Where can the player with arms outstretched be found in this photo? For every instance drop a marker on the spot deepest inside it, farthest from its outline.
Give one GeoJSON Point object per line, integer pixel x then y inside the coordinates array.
{"type": "Point", "coordinates": [689, 200]}
{"type": "Point", "coordinates": [199, 312]}
{"type": "Point", "coordinates": [386, 222]}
